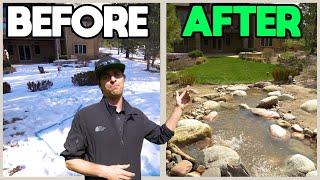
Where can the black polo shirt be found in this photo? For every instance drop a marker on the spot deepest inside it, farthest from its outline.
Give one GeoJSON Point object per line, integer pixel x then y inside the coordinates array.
{"type": "Point", "coordinates": [94, 136]}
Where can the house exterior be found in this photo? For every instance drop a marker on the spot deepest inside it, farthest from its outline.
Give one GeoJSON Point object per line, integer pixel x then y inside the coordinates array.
{"type": "Point", "coordinates": [31, 50]}
{"type": "Point", "coordinates": [231, 42]}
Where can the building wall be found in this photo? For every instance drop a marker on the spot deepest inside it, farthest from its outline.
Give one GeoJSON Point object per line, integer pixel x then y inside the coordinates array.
{"type": "Point", "coordinates": [46, 50]}
{"type": "Point", "coordinates": [92, 45]}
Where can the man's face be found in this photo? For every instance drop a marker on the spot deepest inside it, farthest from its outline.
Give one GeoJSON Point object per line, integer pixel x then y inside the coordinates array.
{"type": "Point", "coordinates": [112, 83]}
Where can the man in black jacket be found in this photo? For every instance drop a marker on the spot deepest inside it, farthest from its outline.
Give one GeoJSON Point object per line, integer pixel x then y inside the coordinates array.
{"type": "Point", "coordinates": [105, 138]}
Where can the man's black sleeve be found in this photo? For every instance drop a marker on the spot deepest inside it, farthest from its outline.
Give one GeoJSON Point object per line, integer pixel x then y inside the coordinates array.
{"type": "Point", "coordinates": [155, 133]}
{"type": "Point", "coordinates": [75, 144]}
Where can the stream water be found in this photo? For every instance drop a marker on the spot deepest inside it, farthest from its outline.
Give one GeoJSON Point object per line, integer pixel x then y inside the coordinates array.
{"type": "Point", "coordinates": [249, 135]}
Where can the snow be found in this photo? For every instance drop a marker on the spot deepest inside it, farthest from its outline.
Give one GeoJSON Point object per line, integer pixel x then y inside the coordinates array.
{"type": "Point", "coordinates": [47, 116]}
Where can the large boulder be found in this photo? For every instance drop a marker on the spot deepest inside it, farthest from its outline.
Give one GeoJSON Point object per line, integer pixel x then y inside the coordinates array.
{"type": "Point", "coordinates": [299, 165]}
{"type": "Point", "coordinates": [218, 156]}
{"type": "Point", "coordinates": [211, 105]}
{"type": "Point", "coordinates": [268, 102]}
{"type": "Point", "coordinates": [237, 87]}
{"type": "Point", "coordinates": [210, 116]}
{"type": "Point", "coordinates": [271, 88]}
{"type": "Point", "coordinates": [262, 84]}
{"type": "Point", "coordinates": [182, 168]}
{"type": "Point", "coordinates": [189, 131]}
{"type": "Point", "coordinates": [309, 106]}
{"type": "Point", "coordinates": [268, 114]}
{"type": "Point", "coordinates": [278, 132]}
{"type": "Point", "coordinates": [211, 96]}
{"type": "Point", "coordinates": [284, 97]}
{"type": "Point", "coordinates": [312, 173]}
{"type": "Point", "coordinates": [274, 93]}
{"type": "Point", "coordinates": [288, 116]}
{"type": "Point", "coordinates": [239, 93]}
{"type": "Point", "coordinates": [212, 172]}
{"type": "Point", "coordinates": [283, 123]}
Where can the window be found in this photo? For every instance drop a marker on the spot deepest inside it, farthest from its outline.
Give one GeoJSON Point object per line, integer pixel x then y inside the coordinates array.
{"type": "Point", "coordinates": [76, 49]}
{"type": "Point", "coordinates": [80, 49]}
{"type": "Point", "coordinates": [37, 49]}
{"type": "Point", "coordinates": [266, 41]}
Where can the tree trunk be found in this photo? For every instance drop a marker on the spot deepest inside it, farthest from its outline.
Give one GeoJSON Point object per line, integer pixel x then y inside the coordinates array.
{"type": "Point", "coordinates": [127, 54]}
{"type": "Point", "coordinates": [148, 62]}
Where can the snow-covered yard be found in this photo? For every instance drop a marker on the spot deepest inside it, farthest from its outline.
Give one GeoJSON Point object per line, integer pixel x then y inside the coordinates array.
{"type": "Point", "coordinates": [36, 123]}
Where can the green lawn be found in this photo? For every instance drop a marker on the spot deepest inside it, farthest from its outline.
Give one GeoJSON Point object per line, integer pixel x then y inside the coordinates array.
{"type": "Point", "coordinates": [227, 70]}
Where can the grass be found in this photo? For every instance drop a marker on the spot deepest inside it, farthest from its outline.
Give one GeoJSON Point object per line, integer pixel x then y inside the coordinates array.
{"type": "Point", "coordinates": [228, 70]}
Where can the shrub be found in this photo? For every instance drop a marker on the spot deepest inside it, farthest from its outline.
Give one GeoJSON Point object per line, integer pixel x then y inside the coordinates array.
{"type": "Point", "coordinates": [8, 70]}
{"type": "Point", "coordinates": [172, 77]}
{"type": "Point", "coordinates": [201, 60]}
{"type": "Point", "coordinates": [39, 85]}
{"type": "Point", "coordinates": [289, 59]}
{"type": "Point", "coordinates": [294, 45]}
{"type": "Point", "coordinates": [186, 79]}
{"type": "Point", "coordinates": [268, 53]}
{"type": "Point", "coordinates": [180, 64]}
{"type": "Point", "coordinates": [195, 54]}
{"type": "Point", "coordinates": [85, 79]}
{"type": "Point", "coordinates": [281, 73]}
{"type": "Point", "coordinates": [64, 56]}
{"type": "Point", "coordinates": [6, 88]}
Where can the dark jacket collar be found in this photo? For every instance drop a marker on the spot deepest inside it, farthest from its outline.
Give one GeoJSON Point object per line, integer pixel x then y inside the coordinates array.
{"type": "Point", "coordinates": [129, 110]}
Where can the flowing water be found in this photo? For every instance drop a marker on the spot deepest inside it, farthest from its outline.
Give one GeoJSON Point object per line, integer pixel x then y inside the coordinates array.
{"type": "Point", "coordinates": [249, 135]}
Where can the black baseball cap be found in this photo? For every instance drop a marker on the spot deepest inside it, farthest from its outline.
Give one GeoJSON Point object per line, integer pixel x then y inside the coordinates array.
{"type": "Point", "coordinates": [108, 63]}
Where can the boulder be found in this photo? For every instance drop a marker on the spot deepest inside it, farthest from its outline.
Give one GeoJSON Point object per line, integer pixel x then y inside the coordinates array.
{"type": "Point", "coordinates": [309, 106]}
{"type": "Point", "coordinates": [274, 93]}
{"type": "Point", "coordinates": [268, 102]}
{"type": "Point", "coordinates": [189, 131]}
{"type": "Point", "coordinates": [239, 93]}
{"type": "Point", "coordinates": [211, 105]}
{"type": "Point", "coordinates": [199, 168]}
{"type": "Point", "coordinates": [278, 132]}
{"type": "Point", "coordinates": [218, 156]}
{"type": "Point", "coordinates": [271, 88]}
{"type": "Point", "coordinates": [297, 135]}
{"type": "Point", "coordinates": [197, 99]}
{"type": "Point", "coordinates": [182, 168]}
{"type": "Point", "coordinates": [307, 132]}
{"type": "Point", "coordinates": [211, 96]}
{"type": "Point", "coordinates": [297, 128]}
{"type": "Point", "coordinates": [312, 173]}
{"type": "Point", "coordinates": [212, 172]}
{"type": "Point", "coordinates": [244, 106]}
{"type": "Point", "coordinates": [205, 143]}
{"type": "Point", "coordinates": [268, 114]}
{"type": "Point", "coordinates": [284, 97]}
{"type": "Point", "coordinates": [262, 84]}
{"type": "Point", "coordinates": [289, 116]}
{"type": "Point", "coordinates": [168, 155]}
{"type": "Point", "coordinates": [237, 87]}
{"type": "Point", "coordinates": [210, 116]}
{"type": "Point", "coordinates": [283, 123]}
{"type": "Point", "coordinates": [236, 171]}
{"type": "Point", "coordinates": [170, 165]}
{"type": "Point", "coordinates": [193, 174]}
{"type": "Point", "coordinates": [299, 165]}
{"type": "Point", "coordinates": [176, 158]}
